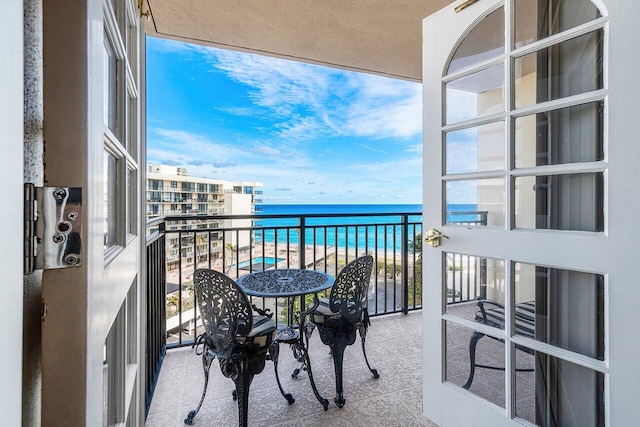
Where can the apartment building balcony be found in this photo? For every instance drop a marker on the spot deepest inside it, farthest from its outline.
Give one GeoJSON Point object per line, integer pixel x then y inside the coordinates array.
{"type": "Point", "coordinates": [321, 242]}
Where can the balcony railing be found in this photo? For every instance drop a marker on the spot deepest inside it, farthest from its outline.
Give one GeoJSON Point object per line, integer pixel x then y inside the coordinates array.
{"type": "Point", "coordinates": [240, 244]}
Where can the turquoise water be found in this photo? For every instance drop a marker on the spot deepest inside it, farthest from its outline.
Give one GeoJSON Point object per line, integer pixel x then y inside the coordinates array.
{"type": "Point", "coordinates": [342, 231]}
{"type": "Point", "coordinates": [345, 231]}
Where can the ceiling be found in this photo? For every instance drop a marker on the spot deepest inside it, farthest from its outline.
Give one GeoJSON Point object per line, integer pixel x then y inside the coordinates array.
{"type": "Point", "coordinates": [381, 37]}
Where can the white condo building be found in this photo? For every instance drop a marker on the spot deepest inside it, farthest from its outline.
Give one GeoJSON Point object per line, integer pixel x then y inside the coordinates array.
{"type": "Point", "coordinates": [172, 191]}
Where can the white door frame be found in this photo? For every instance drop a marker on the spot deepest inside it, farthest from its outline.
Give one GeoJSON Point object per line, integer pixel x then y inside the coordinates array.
{"type": "Point", "coordinates": [615, 249]}
{"type": "Point", "coordinates": [11, 179]}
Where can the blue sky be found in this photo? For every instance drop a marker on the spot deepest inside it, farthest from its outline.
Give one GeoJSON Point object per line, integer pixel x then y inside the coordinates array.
{"type": "Point", "coordinates": [310, 134]}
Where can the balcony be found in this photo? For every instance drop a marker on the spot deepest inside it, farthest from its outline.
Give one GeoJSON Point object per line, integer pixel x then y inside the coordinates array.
{"type": "Point", "coordinates": [395, 399]}
{"type": "Point", "coordinates": [245, 243]}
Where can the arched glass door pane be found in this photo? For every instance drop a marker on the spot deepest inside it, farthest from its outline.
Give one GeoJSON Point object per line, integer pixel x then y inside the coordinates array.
{"type": "Point", "coordinates": [485, 41]}
{"type": "Point", "coordinates": [538, 19]}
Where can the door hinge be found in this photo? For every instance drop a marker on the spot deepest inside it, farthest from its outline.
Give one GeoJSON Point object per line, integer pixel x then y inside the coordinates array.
{"type": "Point", "coordinates": [52, 227]}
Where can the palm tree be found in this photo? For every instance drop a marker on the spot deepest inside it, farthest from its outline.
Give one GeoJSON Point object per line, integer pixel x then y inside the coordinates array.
{"type": "Point", "coordinates": [201, 239]}
{"type": "Point", "coordinates": [232, 248]}
{"type": "Point", "coordinates": [415, 247]}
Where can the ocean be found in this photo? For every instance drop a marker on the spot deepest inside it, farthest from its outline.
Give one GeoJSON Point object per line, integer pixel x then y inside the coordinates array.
{"type": "Point", "coordinates": [344, 231]}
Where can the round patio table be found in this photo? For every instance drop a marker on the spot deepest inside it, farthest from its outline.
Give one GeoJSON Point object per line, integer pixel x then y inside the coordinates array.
{"type": "Point", "coordinates": [290, 283]}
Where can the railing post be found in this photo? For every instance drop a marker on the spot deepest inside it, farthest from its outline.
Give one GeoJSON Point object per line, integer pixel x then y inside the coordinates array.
{"type": "Point", "coordinates": [405, 264]}
{"type": "Point", "coordinates": [302, 241]}
{"type": "Point", "coordinates": [302, 249]}
{"type": "Point", "coordinates": [483, 263]}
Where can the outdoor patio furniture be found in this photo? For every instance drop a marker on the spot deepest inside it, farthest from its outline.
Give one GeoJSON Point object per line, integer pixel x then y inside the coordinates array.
{"type": "Point", "coordinates": [235, 335]}
{"type": "Point", "coordinates": [495, 316]}
{"type": "Point", "coordinates": [291, 283]}
{"type": "Point", "coordinates": [345, 312]}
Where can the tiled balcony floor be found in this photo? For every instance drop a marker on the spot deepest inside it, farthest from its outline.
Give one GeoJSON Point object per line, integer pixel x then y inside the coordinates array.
{"type": "Point", "coordinates": [394, 348]}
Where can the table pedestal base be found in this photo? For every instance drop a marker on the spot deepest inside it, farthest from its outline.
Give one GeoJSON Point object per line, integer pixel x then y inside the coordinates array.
{"type": "Point", "coordinates": [292, 337]}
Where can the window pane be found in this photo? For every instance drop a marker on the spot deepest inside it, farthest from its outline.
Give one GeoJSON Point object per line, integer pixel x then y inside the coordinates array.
{"type": "Point", "coordinates": [568, 68]}
{"type": "Point", "coordinates": [132, 205]}
{"type": "Point", "coordinates": [132, 127]}
{"type": "Point", "coordinates": [568, 135]}
{"type": "Point", "coordinates": [479, 148]}
{"type": "Point", "coordinates": [561, 307]}
{"type": "Point", "coordinates": [560, 202]}
{"type": "Point", "coordinates": [475, 202]}
{"type": "Point", "coordinates": [538, 19]}
{"type": "Point", "coordinates": [485, 383]}
{"type": "Point", "coordinates": [470, 279]}
{"type": "Point", "coordinates": [132, 48]}
{"type": "Point", "coordinates": [485, 41]}
{"type": "Point", "coordinates": [478, 94]}
{"type": "Point", "coordinates": [554, 392]}
{"type": "Point", "coordinates": [110, 200]}
{"type": "Point", "coordinates": [110, 83]}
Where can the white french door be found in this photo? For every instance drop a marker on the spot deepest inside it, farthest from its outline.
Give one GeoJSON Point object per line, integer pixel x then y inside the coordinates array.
{"type": "Point", "coordinates": [528, 171]}
{"type": "Point", "coordinates": [92, 351]}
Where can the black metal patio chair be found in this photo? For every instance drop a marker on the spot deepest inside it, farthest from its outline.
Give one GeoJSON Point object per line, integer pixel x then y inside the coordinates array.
{"type": "Point", "coordinates": [235, 335]}
{"type": "Point", "coordinates": [524, 314]}
{"type": "Point", "coordinates": [345, 312]}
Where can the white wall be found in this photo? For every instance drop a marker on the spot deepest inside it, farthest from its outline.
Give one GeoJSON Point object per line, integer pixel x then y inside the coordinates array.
{"type": "Point", "coordinates": [11, 160]}
{"type": "Point", "coordinates": [238, 204]}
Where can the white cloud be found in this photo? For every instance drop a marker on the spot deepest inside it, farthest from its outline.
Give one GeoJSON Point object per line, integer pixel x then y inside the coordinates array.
{"type": "Point", "coordinates": [267, 151]}
{"type": "Point", "coordinates": [310, 105]}
{"type": "Point", "coordinates": [313, 101]}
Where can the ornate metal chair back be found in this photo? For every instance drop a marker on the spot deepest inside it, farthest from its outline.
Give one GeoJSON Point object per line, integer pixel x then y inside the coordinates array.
{"type": "Point", "coordinates": [350, 290]}
{"type": "Point", "coordinates": [224, 307]}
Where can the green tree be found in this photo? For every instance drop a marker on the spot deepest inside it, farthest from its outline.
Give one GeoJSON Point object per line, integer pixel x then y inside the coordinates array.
{"type": "Point", "coordinates": [415, 285]}
{"type": "Point", "coordinates": [233, 249]}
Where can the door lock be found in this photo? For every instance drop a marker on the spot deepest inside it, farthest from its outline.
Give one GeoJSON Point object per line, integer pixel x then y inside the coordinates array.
{"type": "Point", "coordinates": [432, 237]}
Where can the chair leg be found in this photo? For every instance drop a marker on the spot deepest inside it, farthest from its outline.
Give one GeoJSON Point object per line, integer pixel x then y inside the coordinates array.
{"type": "Point", "coordinates": [338, 356]}
{"type": "Point", "coordinates": [243, 381]}
{"type": "Point", "coordinates": [363, 335]}
{"type": "Point", "coordinates": [207, 359]}
{"type": "Point", "coordinates": [274, 351]}
{"type": "Point", "coordinates": [472, 357]}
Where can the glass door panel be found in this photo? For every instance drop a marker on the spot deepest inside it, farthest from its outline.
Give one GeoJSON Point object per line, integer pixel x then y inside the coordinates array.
{"type": "Point", "coordinates": [488, 384]}
{"type": "Point", "coordinates": [565, 307]}
{"type": "Point", "coordinates": [566, 135]}
{"type": "Point", "coordinates": [478, 202]}
{"type": "Point", "coordinates": [538, 19]}
{"type": "Point", "coordinates": [479, 148]}
{"type": "Point", "coordinates": [568, 68]}
{"type": "Point", "coordinates": [485, 41]}
{"type": "Point", "coordinates": [111, 205]}
{"type": "Point", "coordinates": [111, 87]}
{"type": "Point", "coordinates": [555, 392]}
{"type": "Point", "coordinates": [560, 202]}
{"type": "Point", "coordinates": [470, 279]}
{"type": "Point", "coordinates": [476, 95]}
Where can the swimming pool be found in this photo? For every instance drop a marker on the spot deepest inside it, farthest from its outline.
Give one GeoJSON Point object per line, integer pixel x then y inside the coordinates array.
{"type": "Point", "coordinates": [257, 263]}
